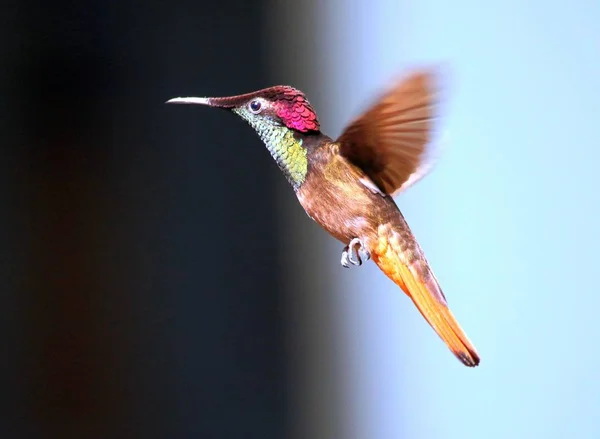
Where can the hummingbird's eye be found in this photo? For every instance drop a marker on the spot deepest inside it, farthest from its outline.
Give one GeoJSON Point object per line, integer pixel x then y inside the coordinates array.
{"type": "Point", "coordinates": [255, 106]}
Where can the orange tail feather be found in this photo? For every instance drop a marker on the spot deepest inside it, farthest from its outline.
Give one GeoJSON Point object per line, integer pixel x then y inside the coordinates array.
{"type": "Point", "coordinates": [401, 259]}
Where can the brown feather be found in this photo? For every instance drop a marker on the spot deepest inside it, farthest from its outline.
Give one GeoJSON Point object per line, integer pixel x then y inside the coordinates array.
{"type": "Point", "coordinates": [398, 255]}
{"type": "Point", "coordinates": [335, 196]}
{"type": "Point", "coordinates": [391, 141]}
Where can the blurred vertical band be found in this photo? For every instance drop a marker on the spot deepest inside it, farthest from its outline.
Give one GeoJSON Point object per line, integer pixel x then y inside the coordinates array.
{"type": "Point", "coordinates": [347, 347]}
{"type": "Point", "coordinates": [316, 405]}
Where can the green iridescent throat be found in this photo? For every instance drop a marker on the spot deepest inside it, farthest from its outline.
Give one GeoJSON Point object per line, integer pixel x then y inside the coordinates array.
{"type": "Point", "coordinates": [287, 151]}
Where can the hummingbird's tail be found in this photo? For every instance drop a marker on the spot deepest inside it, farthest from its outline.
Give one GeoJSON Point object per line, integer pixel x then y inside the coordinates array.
{"type": "Point", "coordinates": [399, 256]}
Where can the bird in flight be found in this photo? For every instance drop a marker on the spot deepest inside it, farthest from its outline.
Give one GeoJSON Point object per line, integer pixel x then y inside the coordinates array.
{"type": "Point", "coordinates": [347, 185]}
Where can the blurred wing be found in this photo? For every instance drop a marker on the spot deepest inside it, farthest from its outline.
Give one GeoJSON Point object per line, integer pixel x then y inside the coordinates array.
{"type": "Point", "coordinates": [391, 141]}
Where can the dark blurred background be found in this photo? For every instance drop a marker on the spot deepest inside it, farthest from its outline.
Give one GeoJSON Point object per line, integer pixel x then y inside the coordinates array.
{"type": "Point", "coordinates": [140, 293]}
{"type": "Point", "coordinates": [158, 279]}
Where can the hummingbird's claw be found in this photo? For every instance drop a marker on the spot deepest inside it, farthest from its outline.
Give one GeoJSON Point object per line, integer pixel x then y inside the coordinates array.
{"type": "Point", "coordinates": [345, 259]}
{"type": "Point", "coordinates": [355, 257]}
{"type": "Point", "coordinates": [364, 254]}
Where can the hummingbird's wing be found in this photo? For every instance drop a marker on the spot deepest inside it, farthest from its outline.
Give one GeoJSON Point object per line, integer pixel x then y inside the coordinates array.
{"type": "Point", "coordinates": [391, 141]}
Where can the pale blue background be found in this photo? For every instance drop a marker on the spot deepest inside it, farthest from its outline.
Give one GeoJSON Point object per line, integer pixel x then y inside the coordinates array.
{"type": "Point", "coordinates": [508, 219]}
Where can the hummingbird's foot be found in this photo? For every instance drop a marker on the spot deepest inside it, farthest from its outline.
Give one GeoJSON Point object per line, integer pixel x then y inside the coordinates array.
{"type": "Point", "coordinates": [354, 256]}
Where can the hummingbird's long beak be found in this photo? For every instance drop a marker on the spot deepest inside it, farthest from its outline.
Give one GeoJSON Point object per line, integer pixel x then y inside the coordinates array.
{"type": "Point", "coordinates": [227, 103]}
{"type": "Point", "coordinates": [190, 100]}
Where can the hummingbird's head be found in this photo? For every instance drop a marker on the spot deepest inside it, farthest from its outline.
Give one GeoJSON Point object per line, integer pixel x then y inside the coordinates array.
{"type": "Point", "coordinates": [281, 105]}
{"type": "Point", "coordinates": [282, 117]}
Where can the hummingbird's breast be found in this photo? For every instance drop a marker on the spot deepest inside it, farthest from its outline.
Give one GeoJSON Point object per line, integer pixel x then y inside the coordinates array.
{"type": "Point", "coordinates": [335, 195]}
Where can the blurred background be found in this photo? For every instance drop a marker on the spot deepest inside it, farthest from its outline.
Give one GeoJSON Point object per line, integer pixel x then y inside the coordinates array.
{"type": "Point", "coordinates": [159, 279]}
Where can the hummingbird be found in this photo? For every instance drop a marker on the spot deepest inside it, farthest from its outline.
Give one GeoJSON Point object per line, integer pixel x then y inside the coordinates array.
{"type": "Point", "coordinates": [347, 185]}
